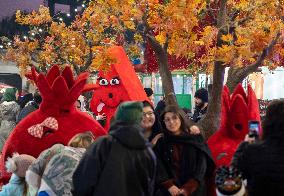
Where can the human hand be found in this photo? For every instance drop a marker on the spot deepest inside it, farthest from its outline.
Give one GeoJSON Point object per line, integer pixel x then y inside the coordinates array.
{"type": "Point", "coordinates": [182, 192]}
{"type": "Point", "coordinates": [101, 116]}
{"type": "Point", "coordinates": [249, 139]}
{"type": "Point", "coordinates": [156, 138]}
{"type": "Point", "coordinates": [174, 190]}
{"type": "Point", "coordinates": [194, 130]}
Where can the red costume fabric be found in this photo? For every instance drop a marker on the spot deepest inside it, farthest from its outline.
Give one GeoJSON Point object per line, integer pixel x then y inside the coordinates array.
{"type": "Point", "coordinates": [56, 121]}
{"type": "Point", "coordinates": [117, 85]}
{"type": "Point", "coordinates": [237, 110]}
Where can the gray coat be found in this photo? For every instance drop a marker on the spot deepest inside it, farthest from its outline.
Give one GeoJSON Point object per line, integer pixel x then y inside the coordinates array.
{"type": "Point", "coordinates": [8, 113]}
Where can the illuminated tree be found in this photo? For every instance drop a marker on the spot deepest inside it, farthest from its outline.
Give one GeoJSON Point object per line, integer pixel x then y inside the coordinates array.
{"type": "Point", "coordinates": [210, 35]}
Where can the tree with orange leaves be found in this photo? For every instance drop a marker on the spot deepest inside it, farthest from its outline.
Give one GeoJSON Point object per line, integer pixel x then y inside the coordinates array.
{"type": "Point", "coordinates": [50, 41]}
{"type": "Point", "coordinates": [211, 34]}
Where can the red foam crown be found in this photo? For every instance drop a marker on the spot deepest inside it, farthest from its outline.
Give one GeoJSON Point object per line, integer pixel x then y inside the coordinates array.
{"type": "Point", "coordinates": [59, 90]}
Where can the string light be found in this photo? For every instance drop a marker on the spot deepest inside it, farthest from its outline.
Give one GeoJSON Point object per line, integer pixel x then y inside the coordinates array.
{"type": "Point", "coordinates": [40, 30]}
{"type": "Point", "coordinates": [1, 46]}
{"type": "Point", "coordinates": [76, 10]}
{"type": "Point", "coordinates": [83, 5]}
{"type": "Point", "coordinates": [33, 34]}
{"type": "Point", "coordinates": [25, 37]}
{"type": "Point", "coordinates": [9, 44]}
{"type": "Point", "coordinates": [61, 19]}
{"type": "Point", "coordinates": [68, 15]}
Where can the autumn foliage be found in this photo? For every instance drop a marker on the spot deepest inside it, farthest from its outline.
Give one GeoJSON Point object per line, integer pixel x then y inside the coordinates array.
{"type": "Point", "coordinates": [187, 28]}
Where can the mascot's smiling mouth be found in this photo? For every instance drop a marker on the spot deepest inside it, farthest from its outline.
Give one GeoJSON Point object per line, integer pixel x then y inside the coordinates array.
{"type": "Point", "coordinates": [102, 105]}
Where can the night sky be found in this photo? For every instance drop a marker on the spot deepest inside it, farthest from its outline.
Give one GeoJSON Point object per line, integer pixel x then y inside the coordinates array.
{"type": "Point", "coordinates": [8, 7]}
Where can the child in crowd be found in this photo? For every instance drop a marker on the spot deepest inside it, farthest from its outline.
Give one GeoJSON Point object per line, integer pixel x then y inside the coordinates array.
{"type": "Point", "coordinates": [18, 165]}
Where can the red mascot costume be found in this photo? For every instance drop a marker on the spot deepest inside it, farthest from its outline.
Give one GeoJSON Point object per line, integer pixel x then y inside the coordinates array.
{"type": "Point", "coordinates": [236, 111]}
{"type": "Point", "coordinates": [119, 84]}
{"type": "Point", "coordinates": [56, 121]}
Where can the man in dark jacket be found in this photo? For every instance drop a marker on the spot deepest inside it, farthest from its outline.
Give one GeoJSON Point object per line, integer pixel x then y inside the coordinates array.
{"type": "Point", "coordinates": [262, 162]}
{"type": "Point", "coordinates": [201, 103]}
{"type": "Point", "coordinates": [120, 164]}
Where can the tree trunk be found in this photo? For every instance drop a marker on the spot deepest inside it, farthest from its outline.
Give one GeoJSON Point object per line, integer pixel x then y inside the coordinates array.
{"type": "Point", "coordinates": [167, 81]}
{"type": "Point", "coordinates": [211, 121]}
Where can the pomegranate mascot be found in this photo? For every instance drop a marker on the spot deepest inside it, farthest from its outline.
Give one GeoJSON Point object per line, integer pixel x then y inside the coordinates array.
{"type": "Point", "coordinates": [56, 121]}
{"type": "Point", "coordinates": [236, 112]}
{"type": "Point", "coordinates": [120, 83]}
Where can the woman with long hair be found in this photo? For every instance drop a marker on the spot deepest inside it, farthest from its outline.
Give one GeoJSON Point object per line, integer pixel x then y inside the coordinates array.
{"type": "Point", "coordinates": [150, 123]}
{"type": "Point", "coordinates": [183, 158]}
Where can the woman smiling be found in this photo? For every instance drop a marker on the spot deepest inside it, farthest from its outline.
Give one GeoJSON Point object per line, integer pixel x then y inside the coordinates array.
{"type": "Point", "coordinates": [184, 158]}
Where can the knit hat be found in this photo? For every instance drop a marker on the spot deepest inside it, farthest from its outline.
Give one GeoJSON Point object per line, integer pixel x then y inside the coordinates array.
{"type": "Point", "coordinates": [19, 164]}
{"type": "Point", "coordinates": [148, 91]}
{"type": "Point", "coordinates": [10, 94]}
{"type": "Point", "coordinates": [202, 94]}
{"type": "Point", "coordinates": [130, 111]}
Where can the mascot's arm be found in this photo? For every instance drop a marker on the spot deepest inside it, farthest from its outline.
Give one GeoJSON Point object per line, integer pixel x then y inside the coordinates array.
{"type": "Point", "coordinates": [87, 174]}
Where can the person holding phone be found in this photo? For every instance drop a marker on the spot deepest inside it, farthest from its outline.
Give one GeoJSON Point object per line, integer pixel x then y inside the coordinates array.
{"type": "Point", "coordinates": [261, 160]}
{"type": "Point", "coordinates": [254, 129]}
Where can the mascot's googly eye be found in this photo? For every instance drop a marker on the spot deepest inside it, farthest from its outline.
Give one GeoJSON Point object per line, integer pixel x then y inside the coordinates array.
{"type": "Point", "coordinates": [103, 82]}
{"type": "Point", "coordinates": [114, 81]}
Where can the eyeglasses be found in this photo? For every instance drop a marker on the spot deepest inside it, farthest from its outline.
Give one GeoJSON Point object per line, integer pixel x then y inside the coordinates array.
{"type": "Point", "coordinates": [174, 118]}
{"type": "Point", "coordinates": [145, 114]}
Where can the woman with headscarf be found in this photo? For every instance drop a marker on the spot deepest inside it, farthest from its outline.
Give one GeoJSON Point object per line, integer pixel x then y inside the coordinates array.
{"type": "Point", "coordinates": [9, 110]}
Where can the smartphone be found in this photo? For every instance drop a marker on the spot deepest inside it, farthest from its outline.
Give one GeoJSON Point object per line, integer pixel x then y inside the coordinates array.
{"type": "Point", "coordinates": [253, 128]}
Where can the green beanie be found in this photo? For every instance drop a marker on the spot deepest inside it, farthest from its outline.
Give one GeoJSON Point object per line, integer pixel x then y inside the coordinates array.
{"type": "Point", "coordinates": [10, 94]}
{"type": "Point", "coordinates": [130, 111]}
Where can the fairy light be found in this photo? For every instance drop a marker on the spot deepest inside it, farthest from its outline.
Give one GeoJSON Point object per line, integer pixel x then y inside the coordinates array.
{"type": "Point", "coordinates": [25, 37]}
{"type": "Point", "coordinates": [83, 5]}
{"type": "Point", "coordinates": [61, 19]}
{"type": "Point", "coordinates": [1, 46]}
{"type": "Point", "coordinates": [9, 44]}
{"type": "Point", "coordinates": [40, 30]}
{"type": "Point", "coordinates": [68, 15]}
{"type": "Point", "coordinates": [76, 10]}
{"type": "Point", "coordinates": [33, 34]}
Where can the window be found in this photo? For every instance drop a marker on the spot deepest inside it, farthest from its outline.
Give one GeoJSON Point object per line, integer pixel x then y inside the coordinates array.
{"type": "Point", "coordinates": [178, 84]}
{"type": "Point", "coordinates": [187, 84]}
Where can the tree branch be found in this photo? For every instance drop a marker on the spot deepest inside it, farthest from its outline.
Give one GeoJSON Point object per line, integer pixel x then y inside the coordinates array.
{"type": "Point", "coordinates": [89, 59]}
{"type": "Point", "coordinates": [76, 68]}
{"type": "Point", "coordinates": [210, 11]}
{"type": "Point", "coordinates": [155, 44]}
{"type": "Point", "coordinates": [265, 52]}
{"type": "Point", "coordinates": [166, 45]}
{"type": "Point", "coordinates": [237, 75]}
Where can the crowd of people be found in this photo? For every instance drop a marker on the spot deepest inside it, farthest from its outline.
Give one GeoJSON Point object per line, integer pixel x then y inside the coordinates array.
{"type": "Point", "coordinates": [148, 152]}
